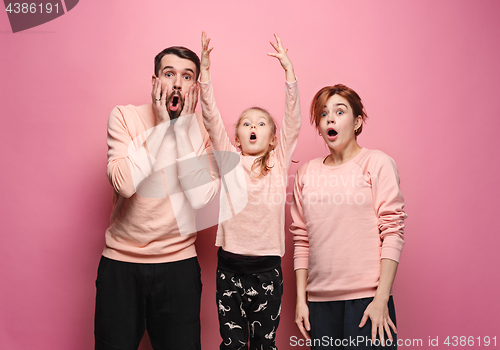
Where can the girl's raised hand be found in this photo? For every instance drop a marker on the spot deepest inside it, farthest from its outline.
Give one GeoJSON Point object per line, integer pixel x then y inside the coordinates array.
{"type": "Point", "coordinates": [205, 57]}
{"type": "Point", "coordinates": [281, 55]}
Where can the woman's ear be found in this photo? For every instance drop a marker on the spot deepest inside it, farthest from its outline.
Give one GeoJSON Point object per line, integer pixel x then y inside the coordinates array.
{"type": "Point", "coordinates": [358, 122]}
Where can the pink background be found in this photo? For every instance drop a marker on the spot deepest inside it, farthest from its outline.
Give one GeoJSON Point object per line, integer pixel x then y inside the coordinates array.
{"type": "Point", "coordinates": [427, 70]}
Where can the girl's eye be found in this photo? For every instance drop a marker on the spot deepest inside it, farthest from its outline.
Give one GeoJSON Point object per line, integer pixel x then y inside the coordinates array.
{"type": "Point", "coordinates": [339, 112]}
{"type": "Point", "coordinates": [261, 124]}
{"type": "Point", "coordinates": [246, 124]}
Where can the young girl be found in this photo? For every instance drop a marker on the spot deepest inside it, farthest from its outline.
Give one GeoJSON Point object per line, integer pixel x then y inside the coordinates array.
{"type": "Point", "coordinates": [251, 221]}
{"type": "Point", "coordinates": [348, 232]}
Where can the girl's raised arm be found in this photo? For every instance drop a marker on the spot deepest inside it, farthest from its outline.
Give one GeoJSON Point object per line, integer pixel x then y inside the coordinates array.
{"type": "Point", "coordinates": [211, 115]}
{"type": "Point", "coordinates": [289, 133]}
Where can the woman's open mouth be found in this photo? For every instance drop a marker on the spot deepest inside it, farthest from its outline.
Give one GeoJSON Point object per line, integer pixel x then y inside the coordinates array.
{"type": "Point", "coordinates": [332, 134]}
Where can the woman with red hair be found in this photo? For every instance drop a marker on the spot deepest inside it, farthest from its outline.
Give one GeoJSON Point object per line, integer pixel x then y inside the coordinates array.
{"type": "Point", "coordinates": [348, 232]}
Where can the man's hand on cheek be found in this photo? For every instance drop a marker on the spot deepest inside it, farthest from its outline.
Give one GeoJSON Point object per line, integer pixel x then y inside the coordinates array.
{"type": "Point", "coordinates": [159, 100]}
{"type": "Point", "coordinates": [188, 110]}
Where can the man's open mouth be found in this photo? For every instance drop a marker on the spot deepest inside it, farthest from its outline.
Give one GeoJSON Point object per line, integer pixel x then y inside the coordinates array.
{"type": "Point", "coordinates": [175, 101]}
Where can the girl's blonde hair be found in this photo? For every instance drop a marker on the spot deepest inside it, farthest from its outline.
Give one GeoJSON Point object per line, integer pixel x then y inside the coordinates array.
{"type": "Point", "coordinates": [260, 161]}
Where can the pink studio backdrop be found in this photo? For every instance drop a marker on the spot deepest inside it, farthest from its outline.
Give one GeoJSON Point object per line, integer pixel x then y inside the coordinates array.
{"type": "Point", "coordinates": [427, 70]}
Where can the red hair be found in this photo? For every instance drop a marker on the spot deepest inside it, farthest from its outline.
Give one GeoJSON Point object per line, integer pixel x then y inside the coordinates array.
{"type": "Point", "coordinates": [319, 101]}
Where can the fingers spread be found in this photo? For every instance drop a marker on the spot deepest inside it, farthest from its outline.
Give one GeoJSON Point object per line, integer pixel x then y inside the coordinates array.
{"type": "Point", "coordinates": [274, 46]}
{"type": "Point", "coordinates": [388, 331]}
{"type": "Point", "coordinates": [381, 335]}
{"type": "Point", "coordinates": [363, 320]}
{"type": "Point", "coordinates": [391, 324]}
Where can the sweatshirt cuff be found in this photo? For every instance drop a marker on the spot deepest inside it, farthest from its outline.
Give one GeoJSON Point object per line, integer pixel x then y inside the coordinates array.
{"type": "Point", "coordinates": [301, 263]}
{"type": "Point", "coordinates": [391, 254]}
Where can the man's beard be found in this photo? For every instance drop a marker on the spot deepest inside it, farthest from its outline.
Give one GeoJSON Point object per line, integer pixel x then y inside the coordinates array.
{"type": "Point", "coordinates": [179, 102]}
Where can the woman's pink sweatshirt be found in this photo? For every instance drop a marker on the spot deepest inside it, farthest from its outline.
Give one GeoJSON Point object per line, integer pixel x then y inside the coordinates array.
{"type": "Point", "coordinates": [252, 209]}
{"type": "Point", "coordinates": [345, 220]}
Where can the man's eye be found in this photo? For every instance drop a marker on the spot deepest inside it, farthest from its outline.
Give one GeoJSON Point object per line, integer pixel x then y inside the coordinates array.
{"type": "Point", "coordinates": [187, 77]}
{"type": "Point", "coordinates": [168, 75]}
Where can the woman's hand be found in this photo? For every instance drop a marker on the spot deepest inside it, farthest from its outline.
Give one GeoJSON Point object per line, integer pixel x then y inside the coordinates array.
{"type": "Point", "coordinates": [281, 55]}
{"type": "Point", "coordinates": [302, 319]}
{"type": "Point", "coordinates": [378, 312]}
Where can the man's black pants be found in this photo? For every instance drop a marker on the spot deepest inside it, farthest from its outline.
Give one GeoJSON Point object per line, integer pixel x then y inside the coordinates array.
{"type": "Point", "coordinates": [164, 298]}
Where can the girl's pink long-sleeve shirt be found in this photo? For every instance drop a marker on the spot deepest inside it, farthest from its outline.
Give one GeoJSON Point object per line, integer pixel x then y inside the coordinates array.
{"type": "Point", "coordinates": [345, 220]}
{"type": "Point", "coordinates": [252, 209]}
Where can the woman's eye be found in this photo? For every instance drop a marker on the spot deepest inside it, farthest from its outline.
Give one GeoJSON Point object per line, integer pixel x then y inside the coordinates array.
{"type": "Point", "coordinates": [323, 114]}
{"type": "Point", "coordinates": [340, 112]}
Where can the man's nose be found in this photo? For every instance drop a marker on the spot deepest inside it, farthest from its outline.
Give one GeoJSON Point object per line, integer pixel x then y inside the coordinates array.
{"type": "Point", "coordinates": [177, 84]}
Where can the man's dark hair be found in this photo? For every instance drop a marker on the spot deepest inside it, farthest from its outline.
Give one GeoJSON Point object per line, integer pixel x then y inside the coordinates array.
{"type": "Point", "coordinates": [179, 51]}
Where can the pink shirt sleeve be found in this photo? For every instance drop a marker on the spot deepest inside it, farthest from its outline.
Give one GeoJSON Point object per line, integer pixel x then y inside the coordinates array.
{"type": "Point", "coordinates": [388, 203]}
{"type": "Point", "coordinates": [298, 226]}
{"type": "Point", "coordinates": [213, 120]}
{"type": "Point", "coordinates": [121, 163]}
{"type": "Point", "coordinates": [290, 129]}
